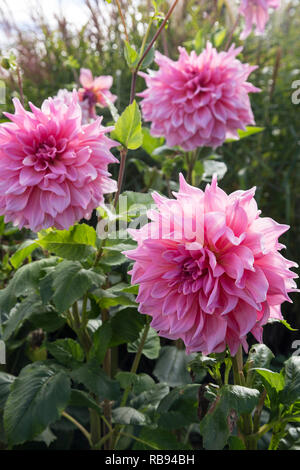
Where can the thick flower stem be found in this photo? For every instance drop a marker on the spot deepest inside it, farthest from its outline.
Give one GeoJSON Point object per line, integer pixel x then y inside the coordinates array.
{"type": "Point", "coordinates": [95, 427]}
{"type": "Point", "coordinates": [246, 424]}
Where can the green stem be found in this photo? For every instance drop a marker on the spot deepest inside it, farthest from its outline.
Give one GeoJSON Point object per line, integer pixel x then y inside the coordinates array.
{"type": "Point", "coordinates": [127, 434]}
{"type": "Point", "coordinates": [78, 425]}
{"type": "Point", "coordinates": [136, 362]}
{"type": "Point", "coordinates": [95, 427]}
{"type": "Point", "coordinates": [134, 367]}
{"type": "Point", "coordinates": [246, 424]}
{"type": "Point", "coordinates": [123, 20]}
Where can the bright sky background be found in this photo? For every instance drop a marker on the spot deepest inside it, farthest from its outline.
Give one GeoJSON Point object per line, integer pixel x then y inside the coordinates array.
{"type": "Point", "coordinates": [74, 10]}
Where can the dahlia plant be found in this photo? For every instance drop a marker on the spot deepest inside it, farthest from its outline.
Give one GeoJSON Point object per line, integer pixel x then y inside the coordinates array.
{"type": "Point", "coordinates": [206, 273]}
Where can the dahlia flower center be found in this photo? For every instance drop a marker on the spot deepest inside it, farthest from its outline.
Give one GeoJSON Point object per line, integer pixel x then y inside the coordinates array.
{"type": "Point", "coordinates": [191, 272]}
{"type": "Point", "coordinates": [46, 152]}
{"type": "Point", "coordinates": [90, 96]}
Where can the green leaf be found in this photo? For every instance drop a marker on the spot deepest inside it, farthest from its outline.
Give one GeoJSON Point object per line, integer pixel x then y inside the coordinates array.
{"type": "Point", "coordinates": [219, 37]}
{"type": "Point", "coordinates": [100, 342]}
{"type": "Point", "coordinates": [131, 55]}
{"type": "Point", "coordinates": [151, 347]}
{"type": "Point", "coordinates": [171, 366]}
{"type": "Point", "coordinates": [291, 441]}
{"type": "Point", "coordinates": [260, 356]}
{"type": "Point", "coordinates": [150, 143]}
{"type": "Point", "coordinates": [128, 128]}
{"type": "Point", "coordinates": [178, 394]}
{"type": "Point", "coordinates": [6, 381]}
{"type": "Point", "coordinates": [179, 408]}
{"type": "Point", "coordinates": [71, 281]}
{"type": "Point", "coordinates": [139, 382]}
{"type": "Point", "coordinates": [159, 439]}
{"type": "Point", "coordinates": [83, 399]}
{"type": "Point", "coordinates": [126, 415]}
{"type": "Point", "coordinates": [24, 250]}
{"type": "Point", "coordinates": [24, 282]}
{"type": "Point", "coordinates": [77, 243]}
{"type": "Point", "coordinates": [48, 319]}
{"type": "Point", "coordinates": [235, 443]}
{"type": "Point", "coordinates": [106, 299]}
{"type": "Point", "coordinates": [151, 397]}
{"type": "Point", "coordinates": [232, 401]}
{"type": "Point", "coordinates": [46, 436]}
{"type": "Point", "coordinates": [21, 312]}
{"type": "Point", "coordinates": [126, 326]}
{"type": "Point", "coordinates": [149, 57]}
{"type": "Point", "coordinates": [37, 398]}
{"type": "Point", "coordinates": [132, 204]}
{"type": "Point", "coordinates": [66, 351]}
{"type": "Point", "coordinates": [211, 167]}
{"type": "Point", "coordinates": [273, 382]}
{"type": "Point", "coordinates": [291, 391]}
{"type": "Point", "coordinates": [250, 130]}
{"type": "Point", "coordinates": [283, 322]}
{"type": "Point", "coordinates": [96, 381]}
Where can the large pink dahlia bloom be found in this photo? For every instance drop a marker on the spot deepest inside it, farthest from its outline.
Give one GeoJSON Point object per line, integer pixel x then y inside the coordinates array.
{"type": "Point", "coordinates": [198, 100]}
{"type": "Point", "coordinates": [256, 13]}
{"type": "Point", "coordinates": [53, 170]}
{"type": "Point", "coordinates": [213, 280]}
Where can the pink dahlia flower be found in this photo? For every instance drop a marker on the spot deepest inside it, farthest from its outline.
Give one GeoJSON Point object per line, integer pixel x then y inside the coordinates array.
{"type": "Point", "coordinates": [53, 170]}
{"type": "Point", "coordinates": [214, 284]}
{"type": "Point", "coordinates": [67, 97]}
{"type": "Point", "coordinates": [198, 100]}
{"type": "Point", "coordinates": [95, 91]}
{"type": "Point", "coordinates": [256, 12]}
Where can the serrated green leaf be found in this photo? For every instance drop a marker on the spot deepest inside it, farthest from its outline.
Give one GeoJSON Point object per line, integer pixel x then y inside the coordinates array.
{"type": "Point", "coordinates": [171, 367]}
{"type": "Point", "coordinates": [77, 243]}
{"type": "Point", "coordinates": [160, 439]}
{"type": "Point", "coordinates": [37, 398]}
{"type": "Point", "coordinates": [81, 398]}
{"type": "Point", "coordinates": [260, 356]}
{"type": "Point", "coordinates": [21, 312]}
{"type": "Point", "coordinates": [100, 342]}
{"type": "Point", "coordinates": [151, 397]}
{"type": "Point", "coordinates": [131, 55]}
{"type": "Point", "coordinates": [96, 381]}
{"type": "Point", "coordinates": [128, 128]}
{"type": "Point", "coordinates": [273, 382]}
{"type": "Point", "coordinates": [23, 252]}
{"type": "Point", "coordinates": [71, 281]}
{"type": "Point", "coordinates": [214, 427]}
{"type": "Point", "coordinates": [151, 347]}
{"type": "Point", "coordinates": [24, 282]}
{"type": "Point", "coordinates": [6, 381]}
{"type": "Point", "coordinates": [126, 415]}
{"type": "Point", "coordinates": [66, 351]}
{"type": "Point", "coordinates": [126, 326]}
{"type": "Point", "coordinates": [291, 391]}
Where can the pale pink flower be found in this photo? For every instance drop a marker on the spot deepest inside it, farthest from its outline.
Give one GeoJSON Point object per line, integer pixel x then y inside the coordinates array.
{"type": "Point", "coordinates": [53, 170]}
{"type": "Point", "coordinates": [213, 280]}
{"type": "Point", "coordinates": [95, 91]}
{"type": "Point", "coordinates": [256, 13]}
{"type": "Point", "coordinates": [198, 100]}
{"type": "Point", "coordinates": [67, 98]}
